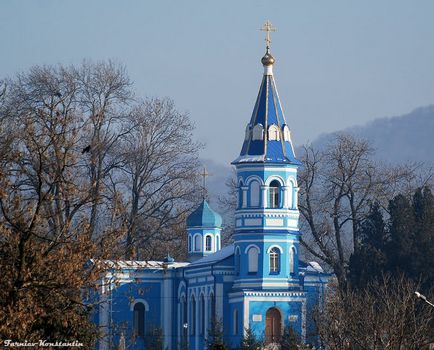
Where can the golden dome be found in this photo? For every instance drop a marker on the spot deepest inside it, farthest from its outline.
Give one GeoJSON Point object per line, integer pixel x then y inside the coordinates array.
{"type": "Point", "coordinates": [268, 59]}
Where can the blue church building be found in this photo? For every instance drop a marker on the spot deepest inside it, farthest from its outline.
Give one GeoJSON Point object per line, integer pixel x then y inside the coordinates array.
{"type": "Point", "coordinates": [258, 282]}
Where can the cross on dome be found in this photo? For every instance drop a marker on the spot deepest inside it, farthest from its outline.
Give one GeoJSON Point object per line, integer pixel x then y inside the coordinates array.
{"type": "Point", "coordinates": [267, 28]}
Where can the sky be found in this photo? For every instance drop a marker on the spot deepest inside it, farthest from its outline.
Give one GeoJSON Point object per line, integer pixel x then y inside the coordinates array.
{"type": "Point", "coordinates": [339, 63]}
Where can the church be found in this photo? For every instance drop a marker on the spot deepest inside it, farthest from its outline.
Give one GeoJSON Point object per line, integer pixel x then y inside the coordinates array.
{"type": "Point", "coordinates": [257, 283]}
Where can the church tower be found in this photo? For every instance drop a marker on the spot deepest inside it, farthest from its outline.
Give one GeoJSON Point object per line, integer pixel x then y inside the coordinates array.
{"type": "Point", "coordinates": [203, 232]}
{"type": "Point", "coordinates": [266, 240]}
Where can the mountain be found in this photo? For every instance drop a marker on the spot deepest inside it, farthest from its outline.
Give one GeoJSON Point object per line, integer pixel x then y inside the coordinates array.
{"type": "Point", "coordinates": [399, 139]}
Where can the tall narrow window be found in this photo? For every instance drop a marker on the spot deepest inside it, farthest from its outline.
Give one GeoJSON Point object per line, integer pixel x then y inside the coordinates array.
{"type": "Point", "coordinates": [253, 259]}
{"type": "Point", "coordinates": [208, 243]}
{"type": "Point", "coordinates": [254, 194]}
{"type": "Point", "coordinates": [193, 316]}
{"type": "Point", "coordinates": [212, 310]}
{"type": "Point", "coordinates": [292, 256]}
{"type": "Point", "coordinates": [237, 261]}
{"type": "Point", "coordinates": [202, 315]}
{"type": "Point", "coordinates": [197, 243]}
{"type": "Point", "coordinates": [235, 323]}
{"type": "Point", "coordinates": [273, 191]}
{"type": "Point", "coordinates": [139, 320]}
{"type": "Point", "coordinates": [274, 260]}
{"type": "Point", "coordinates": [189, 243]}
{"type": "Point", "coordinates": [183, 318]}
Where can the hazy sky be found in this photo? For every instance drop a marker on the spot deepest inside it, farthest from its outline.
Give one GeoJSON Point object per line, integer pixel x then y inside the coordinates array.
{"type": "Point", "coordinates": [339, 63]}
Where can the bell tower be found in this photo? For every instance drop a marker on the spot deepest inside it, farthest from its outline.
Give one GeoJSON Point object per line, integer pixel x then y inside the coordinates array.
{"type": "Point", "coordinates": [266, 240]}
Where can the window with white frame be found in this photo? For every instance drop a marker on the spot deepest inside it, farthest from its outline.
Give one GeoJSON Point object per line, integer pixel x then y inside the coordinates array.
{"type": "Point", "coordinates": [273, 194]}
{"type": "Point", "coordinates": [139, 319]}
{"type": "Point", "coordinates": [254, 194]}
{"type": "Point", "coordinates": [197, 243]}
{"type": "Point", "coordinates": [208, 243]}
{"type": "Point", "coordinates": [274, 260]}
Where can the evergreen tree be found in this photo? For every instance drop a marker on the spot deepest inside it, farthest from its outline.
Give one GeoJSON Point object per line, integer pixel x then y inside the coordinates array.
{"type": "Point", "coordinates": [402, 224]}
{"type": "Point", "coordinates": [370, 261]}
{"type": "Point", "coordinates": [250, 341]}
{"type": "Point", "coordinates": [215, 340]}
{"type": "Point", "coordinates": [290, 339]}
{"type": "Point", "coordinates": [423, 255]}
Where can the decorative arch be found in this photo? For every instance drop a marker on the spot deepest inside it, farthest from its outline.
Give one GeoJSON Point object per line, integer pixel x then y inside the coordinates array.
{"type": "Point", "coordinates": [273, 133]}
{"type": "Point", "coordinates": [258, 132]}
{"type": "Point", "coordinates": [275, 178]}
{"type": "Point", "coordinates": [275, 258]}
{"type": "Point", "coordinates": [254, 178]}
{"type": "Point", "coordinates": [250, 246]}
{"type": "Point", "coordinates": [275, 246]}
{"type": "Point", "coordinates": [143, 301]}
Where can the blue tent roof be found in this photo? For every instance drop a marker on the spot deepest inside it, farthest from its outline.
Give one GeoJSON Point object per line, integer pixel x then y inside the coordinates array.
{"type": "Point", "coordinates": [267, 113]}
{"type": "Point", "coordinates": [204, 216]}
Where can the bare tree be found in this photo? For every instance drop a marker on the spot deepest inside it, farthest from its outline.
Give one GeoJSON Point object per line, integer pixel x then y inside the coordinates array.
{"type": "Point", "coordinates": [336, 187]}
{"type": "Point", "coordinates": [103, 95]}
{"type": "Point", "coordinates": [386, 315]}
{"type": "Point", "coordinates": [160, 175]}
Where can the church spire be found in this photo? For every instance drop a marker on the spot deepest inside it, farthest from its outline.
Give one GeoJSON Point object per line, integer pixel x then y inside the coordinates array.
{"type": "Point", "coordinates": [267, 137]}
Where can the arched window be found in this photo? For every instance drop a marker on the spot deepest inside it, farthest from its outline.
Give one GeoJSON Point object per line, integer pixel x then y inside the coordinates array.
{"type": "Point", "coordinates": [254, 194]}
{"type": "Point", "coordinates": [189, 243]}
{"type": "Point", "coordinates": [292, 257]}
{"type": "Point", "coordinates": [253, 259]}
{"type": "Point", "coordinates": [258, 132]}
{"type": "Point", "coordinates": [286, 133]}
{"type": "Point", "coordinates": [139, 320]}
{"type": "Point", "coordinates": [274, 260]}
{"type": "Point", "coordinates": [235, 323]}
{"type": "Point", "coordinates": [274, 191]}
{"type": "Point", "coordinates": [273, 133]}
{"type": "Point", "coordinates": [193, 316]}
{"type": "Point", "coordinates": [197, 243]}
{"type": "Point", "coordinates": [202, 315]}
{"type": "Point", "coordinates": [183, 324]}
{"type": "Point", "coordinates": [208, 243]}
{"type": "Point", "coordinates": [212, 310]}
{"type": "Point", "coordinates": [237, 261]}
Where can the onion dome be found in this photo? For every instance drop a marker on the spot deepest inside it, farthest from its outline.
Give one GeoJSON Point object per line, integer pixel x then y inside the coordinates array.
{"type": "Point", "coordinates": [268, 59]}
{"type": "Point", "coordinates": [204, 216]}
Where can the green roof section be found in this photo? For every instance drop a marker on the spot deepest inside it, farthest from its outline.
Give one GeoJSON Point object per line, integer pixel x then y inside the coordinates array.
{"type": "Point", "coordinates": [204, 216]}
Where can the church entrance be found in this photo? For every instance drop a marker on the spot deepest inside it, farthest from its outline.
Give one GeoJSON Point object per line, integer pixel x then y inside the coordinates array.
{"type": "Point", "coordinates": [273, 326]}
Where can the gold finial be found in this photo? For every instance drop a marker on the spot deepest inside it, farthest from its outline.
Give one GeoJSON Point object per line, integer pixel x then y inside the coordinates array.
{"type": "Point", "coordinates": [267, 28]}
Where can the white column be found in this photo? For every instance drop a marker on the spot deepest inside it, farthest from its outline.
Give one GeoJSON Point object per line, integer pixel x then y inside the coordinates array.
{"type": "Point", "coordinates": [295, 199]}
{"type": "Point", "coordinates": [264, 196]}
{"type": "Point", "coordinates": [285, 194]}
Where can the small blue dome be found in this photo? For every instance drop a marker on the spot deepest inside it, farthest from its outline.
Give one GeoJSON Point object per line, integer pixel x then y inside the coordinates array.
{"type": "Point", "coordinates": [204, 216]}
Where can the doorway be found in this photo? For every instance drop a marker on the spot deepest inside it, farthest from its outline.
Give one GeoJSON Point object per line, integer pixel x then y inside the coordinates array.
{"type": "Point", "coordinates": [273, 326]}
